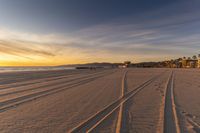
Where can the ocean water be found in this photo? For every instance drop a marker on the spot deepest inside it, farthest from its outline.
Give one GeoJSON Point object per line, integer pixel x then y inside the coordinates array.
{"type": "Point", "coordinates": [14, 69]}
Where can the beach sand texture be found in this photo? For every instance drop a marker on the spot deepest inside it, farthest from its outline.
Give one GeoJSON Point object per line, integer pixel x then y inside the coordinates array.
{"type": "Point", "coordinates": [135, 100]}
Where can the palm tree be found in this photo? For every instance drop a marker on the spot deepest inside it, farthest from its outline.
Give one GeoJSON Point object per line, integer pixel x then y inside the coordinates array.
{"type": "Point", "coordinates": [194, 57]}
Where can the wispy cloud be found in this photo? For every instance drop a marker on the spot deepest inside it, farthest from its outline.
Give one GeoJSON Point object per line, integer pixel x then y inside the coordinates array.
{"type": "Point", "coordinates": [155, 35]}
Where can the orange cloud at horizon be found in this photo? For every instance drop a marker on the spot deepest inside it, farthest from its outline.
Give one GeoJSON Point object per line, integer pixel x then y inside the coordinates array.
{"type": "Point", "coordinates": [28, 54]}
{"type": "Point", "coordinates": [23, 49]}
{"type": "Point", "coordinates": [35, 60]}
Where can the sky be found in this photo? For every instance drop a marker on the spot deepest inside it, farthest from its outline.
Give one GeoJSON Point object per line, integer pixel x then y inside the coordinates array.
{"type": "Point", "coordinates": [57, 32]}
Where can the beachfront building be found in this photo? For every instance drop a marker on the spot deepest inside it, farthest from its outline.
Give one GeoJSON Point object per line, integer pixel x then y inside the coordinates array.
{"type": "Point", "coordinates": [198, 63]}
{"type": "Point", "coordinates": [183, 62]}
{"type": "Point", "coordinates": [189, 63]}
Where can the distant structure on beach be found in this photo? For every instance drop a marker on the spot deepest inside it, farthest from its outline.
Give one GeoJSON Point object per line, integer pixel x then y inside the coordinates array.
{"type": "Point", "coordinates": [185, 62]}
{"type": "Point", "coordinates": [189, 62]}
{"type": "Point", "coordinates": [199, 61]}
{"type": "Point", "coordinates": [125, 64]}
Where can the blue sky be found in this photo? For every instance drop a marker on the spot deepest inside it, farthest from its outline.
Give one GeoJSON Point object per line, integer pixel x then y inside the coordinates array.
{"type": "Point", "coordinates": [98, 30]}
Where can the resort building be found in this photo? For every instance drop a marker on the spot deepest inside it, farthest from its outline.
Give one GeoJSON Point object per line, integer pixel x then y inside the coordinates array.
{"type": "Point", "coordinates": [199, 63]}
{"type": "Point", "coordinates": [189, 63]}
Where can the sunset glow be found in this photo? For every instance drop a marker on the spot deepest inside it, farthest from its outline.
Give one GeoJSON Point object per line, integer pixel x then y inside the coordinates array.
{"type": "Point", "coordinates": [65, 39]}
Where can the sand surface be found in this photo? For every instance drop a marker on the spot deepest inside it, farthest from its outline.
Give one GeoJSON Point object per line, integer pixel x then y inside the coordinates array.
{"type": "Point", "coordinates": [187, 95]}
{"type": "Point", "coordinates": [58, 101]}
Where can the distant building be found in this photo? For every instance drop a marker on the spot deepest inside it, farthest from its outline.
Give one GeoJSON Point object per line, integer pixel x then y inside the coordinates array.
{"type": "Point", "coordinates": [189, 63]}
{"type": "Point", "coordinates": [183, 63]}
{"type": "Point", "coordinates": [199, 63]}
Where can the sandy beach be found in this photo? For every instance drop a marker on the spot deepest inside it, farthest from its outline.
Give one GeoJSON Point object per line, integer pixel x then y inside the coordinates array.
{"type": "Point", "coordinates": [140, 100]}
